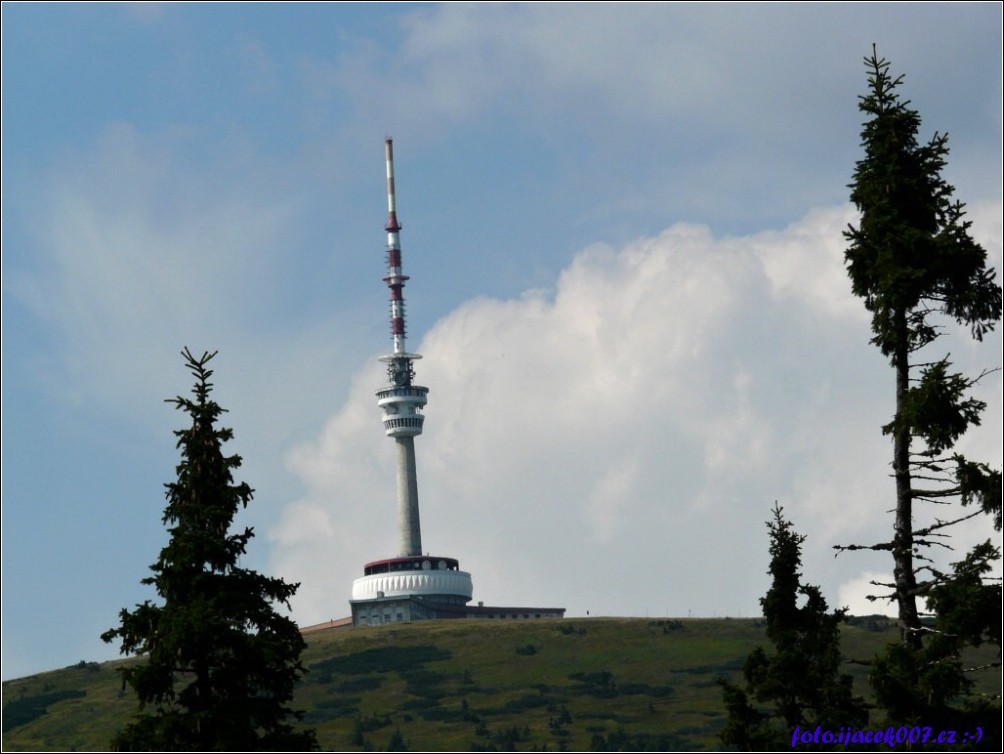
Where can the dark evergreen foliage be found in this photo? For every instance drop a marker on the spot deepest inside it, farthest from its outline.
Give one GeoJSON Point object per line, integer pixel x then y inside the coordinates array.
{"type": "Point", "coordinates": [913, 261]}
{"type": "Point", "coordinates": [221, 663]}
{"type": "Point", "coordinates": [799, 684]}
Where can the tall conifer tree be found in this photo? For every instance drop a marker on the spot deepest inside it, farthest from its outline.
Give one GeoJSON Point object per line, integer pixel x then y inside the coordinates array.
{"type": "Point", "coordinates": [220, 662]}
{"type": "Point", "coordinates": [913, 261]}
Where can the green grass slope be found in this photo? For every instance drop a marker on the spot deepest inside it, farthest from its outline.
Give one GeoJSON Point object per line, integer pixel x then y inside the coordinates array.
{"type": "Point", "coordinates": [575, 684]}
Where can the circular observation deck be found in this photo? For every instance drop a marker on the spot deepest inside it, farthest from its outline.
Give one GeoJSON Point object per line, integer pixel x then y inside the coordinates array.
{"type": "Point", "coordinates": [436, 578]}
{"type": "Point", "coordinates": [402, 409]}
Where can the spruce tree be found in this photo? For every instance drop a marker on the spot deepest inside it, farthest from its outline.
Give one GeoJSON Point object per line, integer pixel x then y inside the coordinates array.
{"type": "Point", "coordinates": [912, 259]}
{"type": "Point", "coordinates": [220, 663]}
{"type": "Point", "coordinates": [799, 683]}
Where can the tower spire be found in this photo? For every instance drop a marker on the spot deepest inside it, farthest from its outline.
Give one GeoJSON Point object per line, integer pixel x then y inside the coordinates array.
{"type": "Point", "coordinates": [402, 402]}
{"type": "Point", "coordinates": [394, 280]}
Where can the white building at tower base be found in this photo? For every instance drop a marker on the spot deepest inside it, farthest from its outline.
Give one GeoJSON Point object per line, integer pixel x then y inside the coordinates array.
{"type": "Point", "coordinates": [426, 587]}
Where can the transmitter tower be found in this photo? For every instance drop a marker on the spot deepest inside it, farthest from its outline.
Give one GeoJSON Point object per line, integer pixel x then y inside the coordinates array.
{"type": "Point", "coordinates": [401, 401]}
{"type": "Point", "coordinates": [410, 586]}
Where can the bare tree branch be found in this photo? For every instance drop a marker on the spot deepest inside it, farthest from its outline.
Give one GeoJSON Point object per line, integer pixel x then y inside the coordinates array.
{"type": "Point", "coordinates": [878, 547]}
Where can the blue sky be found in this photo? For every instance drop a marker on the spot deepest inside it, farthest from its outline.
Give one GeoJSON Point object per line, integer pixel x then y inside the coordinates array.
{"type": "Point", "coordinates": [622, 225]}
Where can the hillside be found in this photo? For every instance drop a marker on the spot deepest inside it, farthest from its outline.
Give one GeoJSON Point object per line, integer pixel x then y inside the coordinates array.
{"type": "Point", "coordinates": [577, 684]}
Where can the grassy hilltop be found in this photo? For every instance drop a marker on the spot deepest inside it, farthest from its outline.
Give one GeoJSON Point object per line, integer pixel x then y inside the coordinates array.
{"type": "Point", "coordinates": [576, 684]}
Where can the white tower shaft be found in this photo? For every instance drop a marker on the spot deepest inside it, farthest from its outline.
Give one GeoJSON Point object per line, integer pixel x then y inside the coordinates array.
{"type": "Point", "coordinates": [409, 527]}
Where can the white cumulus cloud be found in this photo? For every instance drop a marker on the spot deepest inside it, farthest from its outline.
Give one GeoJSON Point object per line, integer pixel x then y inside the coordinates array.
{"type": "Point", "coordinates": [854, 595]}
{"type": "Point", "coordinates": [615, 444]}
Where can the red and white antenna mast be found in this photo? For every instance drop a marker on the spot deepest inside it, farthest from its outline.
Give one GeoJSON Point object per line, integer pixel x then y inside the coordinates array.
{"type": "Point", "coordinates": [395, 280]}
